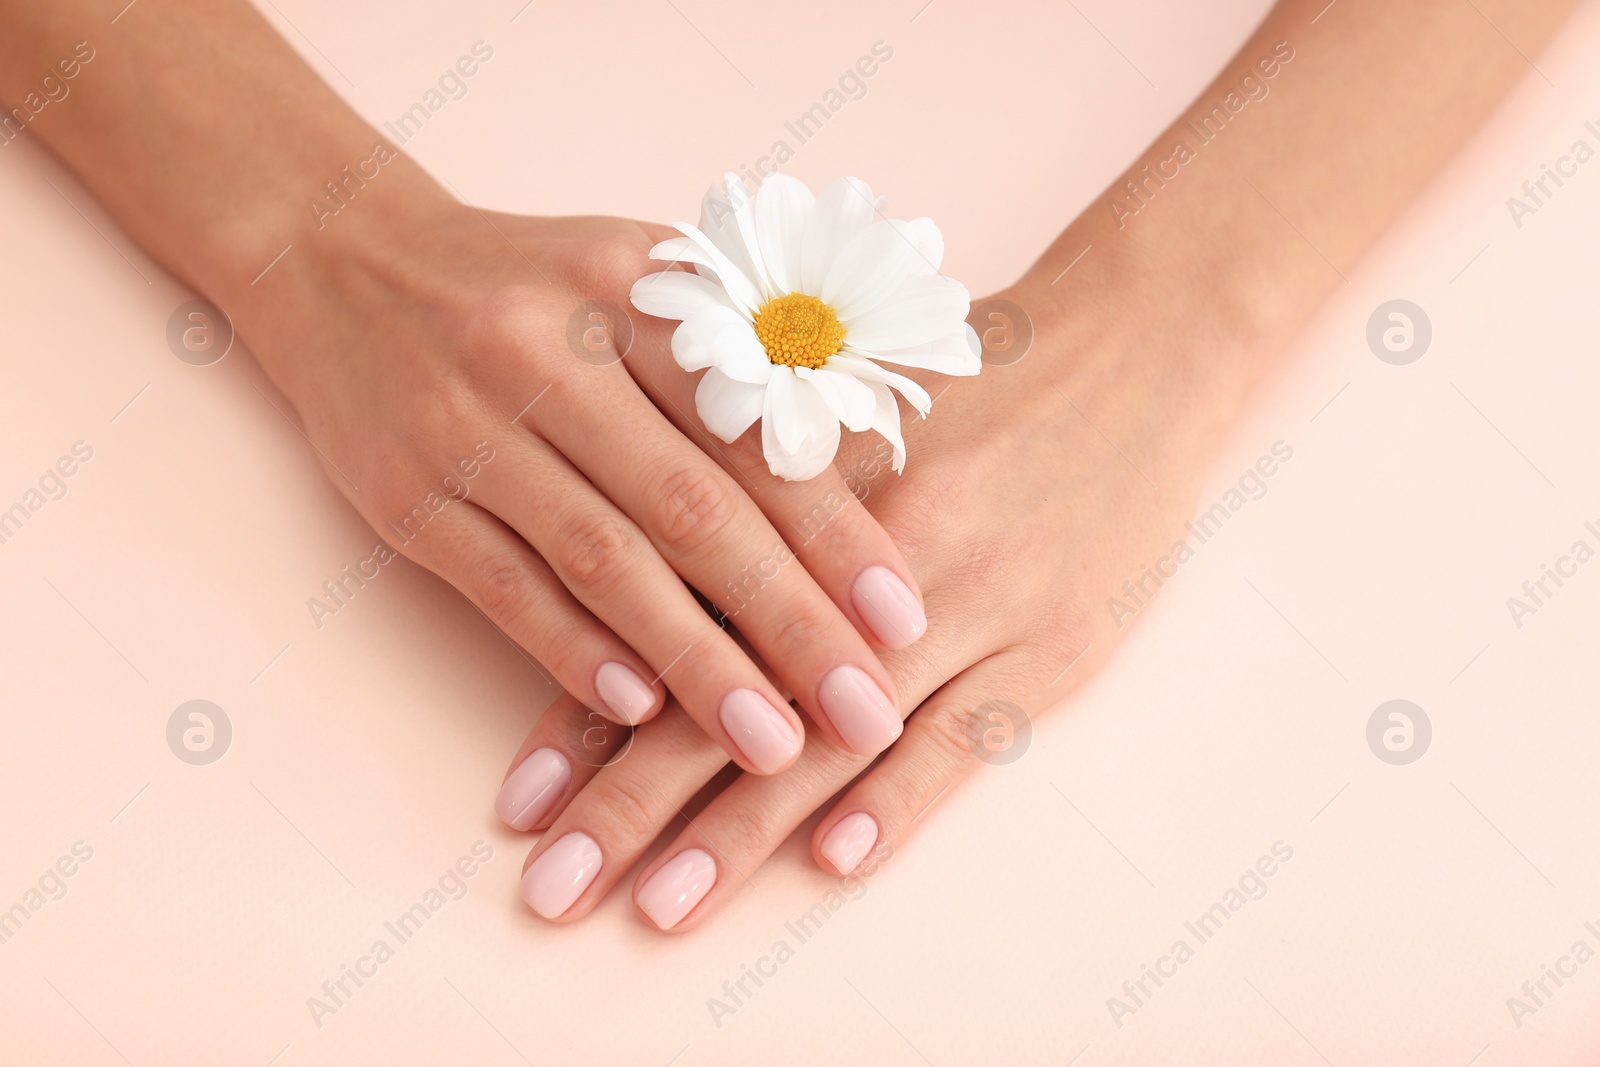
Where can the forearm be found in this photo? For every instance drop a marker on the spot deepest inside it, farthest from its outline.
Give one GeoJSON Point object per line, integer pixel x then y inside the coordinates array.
{"type": "Point", "coordinates": [195, 124]}
{"type": "Point", "coordinates": [1242, 216]}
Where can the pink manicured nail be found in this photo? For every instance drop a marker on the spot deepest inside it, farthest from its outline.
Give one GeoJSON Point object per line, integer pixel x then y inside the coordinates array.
{"type": "Point", "coordinates": [848, 843]}
{"type": "Point", "coordinates": [624, 692]}
{"type": "Point", "coordinates": [681, 883]}
{"type": "Point", "coordinates": [889, 607]}
{"type": "Point", "coordinates": [533, 787]}
{"type": "Point", "coordinates": [859, 710]}
{"type": "Point", "coordinates": [759, 729]}
{"type": "Point", "coordinates": [561, 874]}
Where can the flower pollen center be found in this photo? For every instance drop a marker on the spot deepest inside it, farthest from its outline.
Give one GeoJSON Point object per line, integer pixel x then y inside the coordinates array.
{"type": "Point", "coordinates": [798, 330]}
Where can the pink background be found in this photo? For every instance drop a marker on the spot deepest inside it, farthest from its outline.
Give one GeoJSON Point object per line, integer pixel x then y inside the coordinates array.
{"type": "Point", "coordinates": [364, 758]}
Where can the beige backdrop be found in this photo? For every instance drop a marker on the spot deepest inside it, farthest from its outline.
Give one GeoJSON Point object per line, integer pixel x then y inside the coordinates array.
{"type": "Point", "coordinates": [207, 903]}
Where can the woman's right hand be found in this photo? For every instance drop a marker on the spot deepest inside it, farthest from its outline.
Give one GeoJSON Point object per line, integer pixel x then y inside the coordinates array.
{"type": "Point", "coordinates": [436, 356]}
{"type": "Point", "coordinates": [456, 372]}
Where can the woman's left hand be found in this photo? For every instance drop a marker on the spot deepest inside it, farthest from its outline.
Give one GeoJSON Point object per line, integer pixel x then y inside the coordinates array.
{"type": "Point", "coordinates": [1031, 495]}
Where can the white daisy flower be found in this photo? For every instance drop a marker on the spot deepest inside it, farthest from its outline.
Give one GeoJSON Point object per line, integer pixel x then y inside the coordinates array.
{"type": "Point", "coordinates": [795, 302]}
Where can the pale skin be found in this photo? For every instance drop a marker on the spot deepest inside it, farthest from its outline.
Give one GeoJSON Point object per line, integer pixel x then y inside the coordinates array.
{"type": "Point", "coordinates": [1037, 489]}
{"type": "Point", "coordinates": [413, 333]}
{"type": "Point", "coordinates": [1033, 492]}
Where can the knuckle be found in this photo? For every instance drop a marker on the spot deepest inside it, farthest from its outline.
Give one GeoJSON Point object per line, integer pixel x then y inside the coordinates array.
{"type": "Point", "coordinates": [503, 589]}
{"type": "Point", "coordinates": [613, 262]}
{"type": "Point", "coordinates": [595, 549]}
{"type": "Point", "coordinates": [799, 636]}
{"type": "Point", "coordinates": [564, 642]}
{"type": "Point", "coordinates": [394, 502]}
{"type": "Point", "coordinates": [948, 731]}
{"type": "Point", "coordinates": [631, 806]}
{"type": "Point", "coordinates": [507, 319]}
{"type": "Point", "coordinates": [406, 512]}
{"type": "Point", "coordinates": [503, 338]}
{"type": "Point", "coordinates": [746, 830]}
{"type": "Point", "coordinates": [591, 738]}
{"type": "Point", "coordinates": [694, 506]}
{"type": "Point", "coordinates": [833, 516]}
{"type": "Point", "coordinates": [827, 767]}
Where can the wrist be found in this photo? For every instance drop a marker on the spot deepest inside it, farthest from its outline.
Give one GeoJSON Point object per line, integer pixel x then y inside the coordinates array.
{"type": "Point", "coordinates": [299, 265]}
{"type": "Point", "coordinates": [324, 215]}
{"type": "Point", "coordinates": [1145, 337]}
{"type": "Point", "coordinates": [1179, 311]}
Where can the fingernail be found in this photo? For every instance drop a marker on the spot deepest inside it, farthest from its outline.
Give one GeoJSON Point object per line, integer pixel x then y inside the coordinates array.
{"type": "Point", "coordinates": [859, 710]}
{"type": "Point", "coordinates": [888, 606]}
{"type": "Point", "coordinates": [759, 729]}
{"type": "Point", "coordinates": [624, 692]}
{"type": "Point", "coordinates": [681, 883]}
{"type": "Point", "coordinates": [532, 789]}
{"type": "Point", "coordinates": [848, 843]}
{"type": "Point", "coordinates": [561, 874]}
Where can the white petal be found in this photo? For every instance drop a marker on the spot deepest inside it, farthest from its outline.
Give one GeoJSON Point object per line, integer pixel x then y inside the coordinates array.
{"type": "Point", "coordinates": [858, 365]}
{"type": "Point", "coordinates": [685, 250]}
{"type": "Point", "coordinates": [872, 266]}
{"type": "Point", "coordinates": [919, 311]}
{"type": "Point", "coordinates": [695, 341]}
{"type": "Point", "coordinates": [674, 250]}
{"type": "Point", "coordinates": [744, 218]}
{"type": "Point", "coordinates": [677, 250]}
{"type": "Point", "coordinates": [886, 420]}
{"type": "Point", "coordinates": [739, 354]}
{"type": "Point", "coordinates": [924, 233]}
{"type": "Point", "coordinates": [735, 279]}
{"type": "Point", "coordinates": [728, 407]}
{"type": "Point", "coordinates": [842, 210]}
{"type": "Point", "coordinates": [677, 294]}
{"type": "Point", "coordinates": [799, 435]}
{"type": "Point", "coordinates": [727, 221]}
{"type": "Point", "coordinates": [849, 398]}
{"type": "Point", "coordinates": [779, 415]}
{"type": "Point", "coordinates": [957, 352]}
{"type": "Point", "coordinates": [782, 206]}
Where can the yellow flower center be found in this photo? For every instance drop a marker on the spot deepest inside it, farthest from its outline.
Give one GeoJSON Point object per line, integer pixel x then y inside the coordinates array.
{"type": "Point", "coordinates": [799, 330]}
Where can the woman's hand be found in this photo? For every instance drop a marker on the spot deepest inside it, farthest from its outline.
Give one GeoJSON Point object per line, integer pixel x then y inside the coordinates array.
{"type": "Point", "coordinates": [1035, 492]}
{"type": "Point", "coordinates": [1030, 497]}
{"type": "Point", "coordinates": [458, 372]}
{"type": "Point", "coordinates": [454, 371]}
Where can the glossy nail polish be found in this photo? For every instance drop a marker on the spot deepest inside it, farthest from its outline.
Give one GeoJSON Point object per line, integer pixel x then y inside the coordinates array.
{"type": "Point", "coordinates": [531, 790]}
{"type": "Point", "coordinates": [888, 606]}
{"type": "Point", "coordinates": [674, 890]}
{"type": "Point", "coordinates": [628, 696]}
{"type": "Point", "coordinates": [561, 874]}
{"type": "Point", "coordinates": [848, 843]}
{"type": "Point", "coordinates": [759, 729]}
{"type": "Point", "coordinates": [859, 710]}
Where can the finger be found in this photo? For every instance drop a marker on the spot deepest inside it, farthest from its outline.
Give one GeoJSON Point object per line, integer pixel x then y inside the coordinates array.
{"type": "Point", "coordinates": [835, 538]}
{"type": "Point", "coordinates": [744, 823]}
{"type": "Point", "coordinates": [711, 859]}
{"type": "Point", "coordinates": [611, 567]}
{"type": "Point", "coordinates": [621, 811]}
{"type": "Point", "coordinates": [967, 723]}
{"type": "Point", "coordinates": [709, 530]}
{"type": "Point", "coordinates": [483, 558]}
{"type": "Point", "coordinates": [564, 750]}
